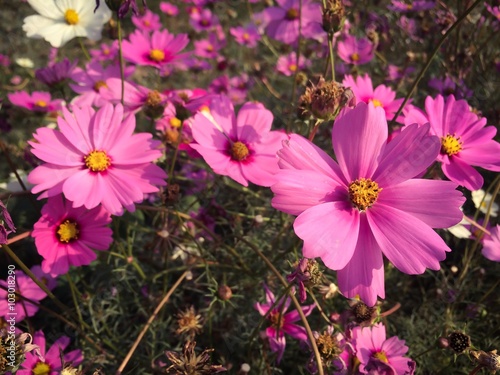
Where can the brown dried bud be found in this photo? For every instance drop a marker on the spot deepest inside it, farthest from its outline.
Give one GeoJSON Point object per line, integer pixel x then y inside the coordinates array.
{"type": "Point", "coordinates": [489, 360]}
{"type": "Point", "coordinates": [328, 98]}
{"type": "Point", "coordinates": [172, 194]}
{"type": "Point", "coordinates": [154, 106]}
{"type": "Point", "coordinates": [459, 341]}
{"type": "Point", "coordinates": [333, 16]}
{"type": "Point", "coordinates": [225, 293]}
{"type": "Point", "coordinates": [363, 313]}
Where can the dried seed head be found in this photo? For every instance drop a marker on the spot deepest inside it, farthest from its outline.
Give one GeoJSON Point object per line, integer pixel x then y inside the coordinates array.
{"type": "Point", "coordinates": [362, 313]}
{"type": "Point", "coordinates": [328, 98]}
{"type": "Point", "coordinates": [459, 341]}
{"type": "Point", "coordinates": [488, 360]}
{"type": "Point", "coordinates": [333, 16]}
{"type": "Point", "coordinates": [188, 363]}
{"type": "Point", "coordinates": [189, 322]}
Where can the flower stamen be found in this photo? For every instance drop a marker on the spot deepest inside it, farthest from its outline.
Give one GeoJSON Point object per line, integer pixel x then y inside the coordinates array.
{"type": "Point", "coordinates": [451, 145]}
{"type": "Point", "coordinates": [97, 161]}
{"type": "Point", "coordinates": [239, 151]}
{"type": "Point", "coordinates": [157, 55]}
{"type": "Point", "coordinates": [67, 231]}
{"type": "Point", "coordinates": [363, 193]}
{"type": "Point", "coordinates": [41, 368]}
{"type": "Point", "coordinates": [71, 17]}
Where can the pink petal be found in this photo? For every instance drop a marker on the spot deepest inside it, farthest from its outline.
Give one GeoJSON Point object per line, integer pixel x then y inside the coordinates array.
{"type": "Point", "coordinates": [407, 155]}
{"type": "Point", "coordinates": [409, 243]}
{"type": "Point", "coordinates": [253, 122]}
{"type": "Point", "coordinates": [363, 276]}
{"type": "Point", "coordinates": [357, 155]}
{"type": "Point", "coordinates": [329, 230]}
{"type": "Point", "coordinates": [462, 173]}
{"type": "Point", "coordinates": [436, 203]}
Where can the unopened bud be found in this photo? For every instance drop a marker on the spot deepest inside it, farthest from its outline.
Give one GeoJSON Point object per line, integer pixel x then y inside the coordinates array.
{"type": "Point", "coordinates": [333, 16]}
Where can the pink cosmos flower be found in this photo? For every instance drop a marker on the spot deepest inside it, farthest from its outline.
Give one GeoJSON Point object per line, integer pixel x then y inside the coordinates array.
{"type": "Point", "coordinates": [382, 96]}
{"type": "Point", "coordinates": [491, 244]}
{"type": "Point", "coordinates": [290, 16]}
{"type": "Point", "coordinates": [149, 21]}
{"type": "Point", "coordinates": [169, 9]}
{"type": "Point", "coordinates": [38, 101]}
{"type": "Point", "coordinates": [202, 19]}
{"type": "Point", "coordinates": [96, 159]}
{"type": "Point", "coordinates": [50, 361]}
{"type": "Point", "coordinates": [465, 140]}
{"type": "Point", "coordinates": [26, 288]}
{"type": "Point", "coordinates": [378, 355]}
{"type": "Point", "coordinates": [495, 11]}
{"type": "Point", "coordinates": [366, 204]}
{"type": "Point", "coordinates": [158, 49]}
{"type": "Point", "coordinates": [105, 52]}
{"type": "Point", "coordinates": [65, 236]}
{"type": "Point", "coordinates": [246, 35]}
{"type": "Point", "coordinates": [281, 322]}
{"type": "Point", "coordinates": [243, 148]}
{"type": "Point", "coordinates": [287, 65]}
{"type": "Point", "coordinates": [91, 82]}
{"type": "Point", "coordinates": [136, 97]}
{"type": "Point", "coordinates": [355, 51]}
{"type": "Point", "coordinates": [209, 48]}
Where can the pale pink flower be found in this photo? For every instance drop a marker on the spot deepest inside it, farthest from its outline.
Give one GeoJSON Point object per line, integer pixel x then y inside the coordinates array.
{"type": "Point", "coordinates": [243, 148]}
{"type": "Point", "coordinates": [96, 159]}
{"type": "Point", "coordinates": [246, 35]}
{"type": "Point", "coordinates": [169, 9]}
{"type": "Point", "coordinates": [368, 203]}
{"type": "Point", "coordinates": [149, 21]}
{"type": "Point", "coordinates": [66, 236]}
{"type": "Point", "coordinates": [287, 64]}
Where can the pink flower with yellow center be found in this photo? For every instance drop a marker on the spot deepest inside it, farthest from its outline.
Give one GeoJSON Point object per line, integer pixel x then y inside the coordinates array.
{"type": "Point", "coordinates": [95, 158]}
{"type": "Point", "coordinates": [355, 51]}
{"type": "Point", "coordinates": [38, 101]}
{"type": "Point", "coordinates": [158, 49]}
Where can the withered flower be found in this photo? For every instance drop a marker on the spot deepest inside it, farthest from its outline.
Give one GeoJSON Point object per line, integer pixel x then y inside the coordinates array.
{"type": "Point", "coordinates": [188, 363]}
{"type": "Point", "coordinates": [189, 323]}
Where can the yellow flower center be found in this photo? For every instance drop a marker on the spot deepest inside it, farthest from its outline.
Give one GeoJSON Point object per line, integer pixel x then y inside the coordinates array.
{"type": "Point", "coordinates": [175, 122]}
{"type": "Point", "coordinates": [67, 231]}
{"type": "Point", "coordinates": [276, 319]}
{"type": "Point", "coordinates": [106, 51]}
{"type": "Point", "coordinates": [239, 151]}
{"type": "Point", "coordinates": [146, 23]}
{"type": "Point", "coordinates": [363, 193]}
{"type": "Point", "coordinates": [153, 99]}
{"type": "Point", "coordinates": [376, 103]}
{"type": "Point", "coordinates": [409, 6]}
{"type": "Point", "coordinates": [292, 14]}
{"type": "Point", "coordinates": [157, 55]}
{"type": "Point", "coordinates": [97, 161]}
{"type": "Point", "coordinates": [98, 85]}
{"type": "Point", "coordinates": [41, 103]}
{"type": "Point", "coordinates": [71, 17]}
{"type": "Point", "coordinates": [355, 56]}
{"type": "Point", "coordinates": [41, 368]}
{"type": "Point", "coordinates": [381, 356]}
{"type": "Point", "coordinates": [246, 36]}
{"type": "Point", "coordinates": [451, 145]}
{"type": "Point", "coordinates": [293, 67]}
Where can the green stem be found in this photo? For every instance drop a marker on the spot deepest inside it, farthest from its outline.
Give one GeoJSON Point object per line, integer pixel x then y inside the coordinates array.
{"type": "Point", "coordinates": [84, 49]}
{"type": "Point", "coordinates": [120, 59]}
{"type": "Point", "coordinates": [75, 299]}
{"type": "Point", "coordinates": [433, 54]}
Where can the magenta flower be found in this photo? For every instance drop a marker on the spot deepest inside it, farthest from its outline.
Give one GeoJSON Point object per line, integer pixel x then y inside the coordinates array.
{"type": "Point", "coordinates": [381, 96]}
{"type": "Point", "coordinates": [210, 47]}
{"type": "Point", "coordinates": [291, 16]}
{"type": "Point", "coordinates": [378, 355]}
{"type": "Point", "coordinates": [159, 49]}
{"type": "Point", "coordinates": [355, 51]}
{"type": "Point", "coordinates": [38, 101]}
{"type": "Point", "coordinates": [49, 363]}
{"type": "Point", "coordinates": [96, 159]}
{"type": "Point", "coordinates": [149, 21]}
{"type": "Point", "coordinates": [491, 244]}
{"type": "Point", "coordinates": [465, 140]}
{"type": "Point", "coordinates": [202, 19]}
{"type": "Point", "coordinates": [287, 65]}
{"type": "Point", "coordinates": [246, 36]}
{"type": "Point", "coordinates": [281, 322]}
{"type": "Point", "coordinates": [243, 148]}
{"type": "Point", "coordinates": [105, 52]}
{"type": "Point", "coordinates": [56, 73]}
{"type": "Point", "coordinates": [91, 83]}
{"type": "Point", "coordinates": [367, 204]}
{"type": "Point", "coordinates": [169, 9]}
{"type": "Point", "coordinates": [495, 11]}
{"type": "Point", "coordinates": [27, 288]}
{"type": "Point", "coordinates": [66, 236]}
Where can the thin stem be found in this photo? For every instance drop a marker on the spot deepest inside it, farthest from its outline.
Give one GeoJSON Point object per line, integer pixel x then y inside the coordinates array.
{"type": "Point", "coordinates": [433, 54]}
{"type": "Point", "coordinates": [19, 237]}
{"type": "Point", "coordinates": [149, 322]}
{"type": "Point", "coordinates": [296, 303]}
{"type": "Point", "coordinates": [120, 59]}
{"type": "Point", "coordinates": [84, 49]}
{"type": "Point", "coordinates": [75, 300]}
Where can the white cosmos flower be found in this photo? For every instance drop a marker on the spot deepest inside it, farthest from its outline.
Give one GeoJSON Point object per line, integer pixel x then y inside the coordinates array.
{"type": "Point", "coordinates": [59, 21]}
{"type": "Point", "coordinates": [482, 201]}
